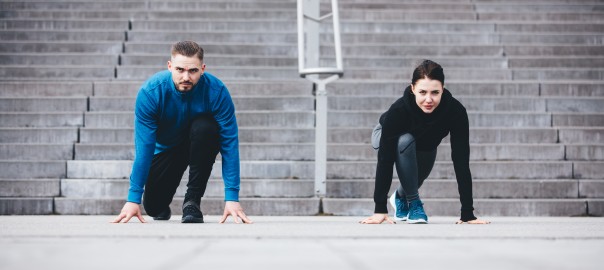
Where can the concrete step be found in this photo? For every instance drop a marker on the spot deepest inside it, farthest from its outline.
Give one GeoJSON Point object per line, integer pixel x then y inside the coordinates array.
{"type": "Point", "coordinates": [103, 47]}
{"type": "Point", "coordinates": [46, 89]}
{"type": "Point", "coordinates": [550, 27]}
{"type": "Point", "coordinates": [247, 151]}
{"type": "Point", "coordinates": [353, 87]}
{"type": "Point", "coordinates": [26, 206]}
{"type": "Point", "coordinates": [474, 62]}
{"type": "Point", "coordinates": [257, 188]}
{"type": "Point", "coordinates": [89, 24]}
{"type": "Point", "coordinates": [480, 170]}
{"type": "Point", "coordinates": [558, 50]}
{"type": "Point", "coordinates": [542, 8]}
{"type": "Point", "coordinates": [58, 59]}
{"type": "Point", "coordinates": [239, 5]}
{"type": "Point", "coordinates": [465, 50]}
{"type": "Point", "coordinates": [335, 135]}
{"type": "Point", "coordinates": [248, 103]}
{"type": "Point", "coordinates": [25, 169]}
{"type": "Point", "coordinates": [588, 152]}
{"type": "Point", "coordinates": [42, 119]}
{"type": "Point", "coordinates": [265, 119]}
{"type": "Point", "coordinates": [472, 74]}
{"type": "Point", "coordinates": [82, 5]}
{"type": "Point", "coordinates": [362, 169]}
{"type": "Point", "coordinates": [143, 14]}
{"type": "Point", "coordinates": [594, 135]}
{"type": "Point", "coordinates": [487, 74]}
{"type": "Point", "coordinates": [46, 104]}
{"type": "Point", "coordinates": [481, 104]}
{"type": "Point", "coordinates": [483, 207]}
{"type": "Point", "coordinates": [98, 169]}
{"type": "Point", "coordinates": [577, 120]}
{"type": "Point", "coordinates": [591, 189]}
{"type": "Point", "coordinates": [379, 88]}
{"type": "Point", "coordinates": [558, 16]}
{"type": "Point", "coordinates": [214, 61]}
{"type": "Point", "coordinates": [36, 151]}
{"type": "Point", "coordinates": [30, 187]}
{"type": "Point", "coordinates": [568, 89]}
{"type": "Point", "coordinates": [368, 119]}
{"type": "Point", "coordinates": [213, 206]}
{"type": "Point", "coordinates": [246, 135]}
{"type": "Point", "coordinates": [406, 15]}
{"type": "Point", "coordinates": [382, 5]}
{"type": "Point", "coordinates": [481, 189]}
{"type": "Point", "coordinates": [38, 135]}
{"type": "Point", "coordinates": [550, 62]}
{"type": "Point", "coordinates": [356, 152]}
{"type": "Point", "coordinates": [57, 73]}
{"type": "Point", "coordinates": [349, 87]}
{"type": "Point", "coordinates": [62, 35]}
{"type": "Point", "coordinates": [294, 87]}
{"type": "Point", "coordinates": [227, 73]}
{"type": "Point", "coordinates": [407, 38]}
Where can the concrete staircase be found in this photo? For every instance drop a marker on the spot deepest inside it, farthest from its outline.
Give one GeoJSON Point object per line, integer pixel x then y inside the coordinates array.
{"type": "Point", "coordinates": [530, 75]}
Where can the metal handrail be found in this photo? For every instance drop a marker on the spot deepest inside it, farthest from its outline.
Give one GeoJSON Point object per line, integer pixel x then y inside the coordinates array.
{"type": "Point", "coordinates": [338, 69]}
{"type": "Point", "coordinates": [311, 11]}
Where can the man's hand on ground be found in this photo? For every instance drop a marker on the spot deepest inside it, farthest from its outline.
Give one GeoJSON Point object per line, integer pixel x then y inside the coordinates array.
{"type": "Point", "coordinates": [129, 210]}
{"type": "Point", "coordinates": [234, 209]}
{"type": "Point", "coordinates": [377, 219]}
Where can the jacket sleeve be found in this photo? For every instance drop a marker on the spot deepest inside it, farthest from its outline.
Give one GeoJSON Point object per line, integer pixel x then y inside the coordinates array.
{"type": "Point", "coordinates": [145, 134]}
{"type": "Point", "coordinates": [223, 110]}
{"type": "Point", "coordinates": [460, 154]}
{"type": "Point", "coordinates": [391, 123]}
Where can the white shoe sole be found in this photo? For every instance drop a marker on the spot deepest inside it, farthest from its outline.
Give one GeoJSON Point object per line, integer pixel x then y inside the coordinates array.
{"type": "Point", "coordinates": [392, 201]}
{"type": "Point", "coordinates": [417, 221]}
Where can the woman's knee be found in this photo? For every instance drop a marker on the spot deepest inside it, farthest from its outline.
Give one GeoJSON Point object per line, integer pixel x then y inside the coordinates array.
{"type": "Point", "coordinates": [405, 141]}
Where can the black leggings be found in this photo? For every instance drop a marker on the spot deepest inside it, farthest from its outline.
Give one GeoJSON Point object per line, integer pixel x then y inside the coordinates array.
{"type": "Point", "coordinates": [412, 167]}
{"type": "Point", "coordinates": [198, 151]}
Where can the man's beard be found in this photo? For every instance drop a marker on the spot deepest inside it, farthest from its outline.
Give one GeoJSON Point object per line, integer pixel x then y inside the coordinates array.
{"type": "Point", "coordinates": [185, 86]}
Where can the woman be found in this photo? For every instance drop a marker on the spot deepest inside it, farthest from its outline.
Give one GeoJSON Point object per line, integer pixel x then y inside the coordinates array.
{"type": "Point", "coordinates": [411, 130]}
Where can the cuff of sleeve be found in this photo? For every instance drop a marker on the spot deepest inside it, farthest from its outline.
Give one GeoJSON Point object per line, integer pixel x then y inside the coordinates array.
{"type": "Point", "coordinates": [467, 215]}
{"type": "Point", "coordinates": [134, 197]}
{"type": "Point", "coordinates": [381, 208]}
{"type": "Point", "coordinates": [231, 195]}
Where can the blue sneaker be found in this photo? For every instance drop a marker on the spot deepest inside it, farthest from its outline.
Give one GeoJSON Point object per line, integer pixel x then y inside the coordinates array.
{"type": "Point", "coordinates": [401, 208]}
{"type": "Point", "coordinates": [417, 215]}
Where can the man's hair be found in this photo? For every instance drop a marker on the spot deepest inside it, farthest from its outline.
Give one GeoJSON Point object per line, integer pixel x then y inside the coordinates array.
{"type": "Point", "coordinates": [428, 69]}
{"type": "Point", "coordinates": [188, 49]}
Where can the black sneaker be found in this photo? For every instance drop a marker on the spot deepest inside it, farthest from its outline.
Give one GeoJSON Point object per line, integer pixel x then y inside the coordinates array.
{"type": "Point", "coordinates": [164, 215]}
{"type": "Point", "coordinates": [191, 213]}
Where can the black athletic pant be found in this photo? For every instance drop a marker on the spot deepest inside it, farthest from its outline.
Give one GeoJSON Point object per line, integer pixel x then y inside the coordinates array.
{"type": "Point", "coordinates": [412, 167]}
{"type": "Point", "coordinates": [198, 152]}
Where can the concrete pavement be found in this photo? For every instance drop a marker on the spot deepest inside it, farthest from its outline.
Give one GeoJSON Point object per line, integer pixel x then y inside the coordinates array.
{"type": "Point", "coordinates": [319, 242]}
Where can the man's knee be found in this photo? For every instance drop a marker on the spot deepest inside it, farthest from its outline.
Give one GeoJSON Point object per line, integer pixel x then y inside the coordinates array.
{"type": "Point", "coordinates": [404, 142]}
{"type": "Point", "coordinates": [204, 128]}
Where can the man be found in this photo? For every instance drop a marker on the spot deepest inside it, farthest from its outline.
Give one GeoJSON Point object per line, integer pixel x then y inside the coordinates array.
{"type": "Point", "coordinates": [183, 117]}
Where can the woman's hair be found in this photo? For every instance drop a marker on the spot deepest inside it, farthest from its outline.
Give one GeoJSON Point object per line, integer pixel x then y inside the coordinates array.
{"type": "Point", "coordinates": [428, 69]}
{"type": "Point", "coordinates": [188, 49]}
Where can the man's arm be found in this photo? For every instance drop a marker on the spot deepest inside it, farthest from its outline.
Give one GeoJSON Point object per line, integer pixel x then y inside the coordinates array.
{"type": "Point", "coordinates": [224, 113]}
{"type": "Point", "coordinates": [145, 127]}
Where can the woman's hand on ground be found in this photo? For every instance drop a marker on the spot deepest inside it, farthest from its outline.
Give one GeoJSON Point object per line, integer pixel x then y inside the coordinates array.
{"type": "Point", "coordinates": [476, 221]}
{"type": "Point", "coordinates": [377, 219]}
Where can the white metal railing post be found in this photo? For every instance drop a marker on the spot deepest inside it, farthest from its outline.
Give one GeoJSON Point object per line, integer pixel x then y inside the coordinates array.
{"type": "Point", "coordinates": [309, 54]}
